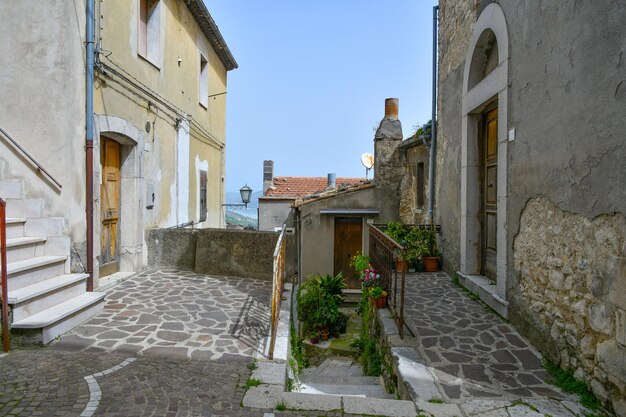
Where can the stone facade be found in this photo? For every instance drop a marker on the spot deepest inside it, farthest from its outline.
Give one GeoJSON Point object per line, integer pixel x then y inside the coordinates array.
{"type": "Point", "coordinates": [572, 282]}
{"type": "Point", "coordinates": [414, 186]}
{"type": "Point", "coordinates": [560, 238]}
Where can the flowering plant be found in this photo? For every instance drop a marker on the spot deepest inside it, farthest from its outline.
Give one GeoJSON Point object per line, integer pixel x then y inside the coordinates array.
{"type": "Point", "coordinates": [376, 292]}
{"type": "Point", "coordinates": [371, 278]}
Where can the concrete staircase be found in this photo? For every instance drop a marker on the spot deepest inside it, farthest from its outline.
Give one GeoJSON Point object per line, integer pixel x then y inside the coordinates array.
{"type": "Point", "coordinates": [46, 299]}
{"type": "Point", "coordinates": [341, 376]}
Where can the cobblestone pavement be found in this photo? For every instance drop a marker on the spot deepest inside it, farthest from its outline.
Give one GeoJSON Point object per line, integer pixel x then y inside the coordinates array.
{"type": "Point", "coordinates": [475, 352]}
{"type": "Point", "coordinates": [178, 314]}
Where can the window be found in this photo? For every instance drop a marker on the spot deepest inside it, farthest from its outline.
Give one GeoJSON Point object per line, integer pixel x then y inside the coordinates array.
{"type": "Point", "coordinates": [203, 195]}
{"type": "Point", "coordinates": [149, 31]}
{"type": "Point", "coordinates": [419, 180]}
{"type": "Point", "coordinates": [204, 81]}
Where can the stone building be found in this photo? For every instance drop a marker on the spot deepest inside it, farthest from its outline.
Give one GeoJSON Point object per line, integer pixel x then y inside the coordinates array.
{"type": "Point", "coordinates": [531, 170]}
{"type": "Point", "coordinates": [158, 138]}
{"type": "Point", "coordinates": [280, 194]}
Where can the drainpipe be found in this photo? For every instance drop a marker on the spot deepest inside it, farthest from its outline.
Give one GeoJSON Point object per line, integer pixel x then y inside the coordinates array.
{"type": "Point", "coordinates": [433, 128]}
{"type": "Point", "coordinates": [89, 58]}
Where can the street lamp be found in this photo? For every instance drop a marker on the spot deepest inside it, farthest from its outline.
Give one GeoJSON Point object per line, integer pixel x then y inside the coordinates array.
{"type": "Point", "coordinates": [246, 194]}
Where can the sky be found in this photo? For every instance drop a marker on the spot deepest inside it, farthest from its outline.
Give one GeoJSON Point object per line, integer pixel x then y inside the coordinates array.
{"type": "Point", "coordinates": [312, 81]}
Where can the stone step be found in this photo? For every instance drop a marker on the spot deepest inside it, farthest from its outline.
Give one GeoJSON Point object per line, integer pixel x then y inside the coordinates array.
{"type": "Point", "coordinates": [21, 248]}
{"type": "Point", "coordinates": [35, 298]}
{"type": "Point", "coordinates": [337, 366]}
{"type": "Point", "coordinates": [57, 320]}
{"type": "Point", "coordinates": [25, 208]}
{"type": "Point", "coordinates": [10, 189]}
{"type": "Point", "coordinates": [46, 226]}
{"type": "Point", "coordinates": [31, 271]}
{"type": "Point", "coordinates": [348, 380]}
{"type": "Point", "coordinates": [352, 296]}
{"type": "Point", "coordinates": [369, 391]}
{"type": "Point", "coordinates": [15, 227]}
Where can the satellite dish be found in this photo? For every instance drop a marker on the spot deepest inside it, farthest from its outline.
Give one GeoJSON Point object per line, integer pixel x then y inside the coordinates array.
{"type": "Point", "coordinates": [367, 159]}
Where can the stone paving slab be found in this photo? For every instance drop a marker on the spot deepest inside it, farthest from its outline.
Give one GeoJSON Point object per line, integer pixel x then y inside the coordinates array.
{"type": "Point", "coordinates": [473, 352]}
{"type": "Point", "coordinates": [180, 314]}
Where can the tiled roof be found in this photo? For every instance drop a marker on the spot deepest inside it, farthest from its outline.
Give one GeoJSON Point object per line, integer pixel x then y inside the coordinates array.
{"type": "Point", "coordinates": [303, 186]}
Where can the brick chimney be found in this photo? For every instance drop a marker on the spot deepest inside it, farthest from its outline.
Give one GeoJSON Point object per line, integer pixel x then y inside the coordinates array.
{"type": "Point", "coordinates": [268, 175]}
{"type": "Point", "coordinates": [388, 160]}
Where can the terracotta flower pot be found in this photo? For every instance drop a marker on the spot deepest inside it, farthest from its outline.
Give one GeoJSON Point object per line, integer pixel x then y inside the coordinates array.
{"type": "Point", "coordinates": [381, 301]}
{"type": "Point", "coordinates": [402, 265]}
{"type": "Point", "coordinates": [324, 334]}
{"type": "Point", "coordinates": [431, 263]}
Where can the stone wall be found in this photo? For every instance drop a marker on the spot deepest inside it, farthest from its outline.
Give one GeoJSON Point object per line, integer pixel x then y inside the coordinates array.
{"type": "Point", "coordinates": [415, 152]}
{"type": "Point", "coordinates": [238, 253]}
{"type": "Point", "coordinates": [572, 293]}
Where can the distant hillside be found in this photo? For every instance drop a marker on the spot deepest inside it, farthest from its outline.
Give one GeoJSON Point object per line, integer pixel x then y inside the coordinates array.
{"type": "Point", "coordinates": [237, 219]}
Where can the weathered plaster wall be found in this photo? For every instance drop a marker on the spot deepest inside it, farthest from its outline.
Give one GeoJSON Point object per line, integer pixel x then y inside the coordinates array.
{"type": "Point", "coordinates": [317, 230]}
{"type": "Point", "coordinates": [181, 38]}
{"type": "Point", "coordinates": [273, 212]}
{"type": "Point", "coordinates": [566, 99]}
{"type": "Point", "coordinates": [42, 86]}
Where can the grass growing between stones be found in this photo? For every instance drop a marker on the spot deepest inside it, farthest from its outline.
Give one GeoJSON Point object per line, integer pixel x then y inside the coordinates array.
{"type": "Point", "coordinates": [252, 382]}
{"type": "Point", "coordinates": [281, 407]}
{"type": "Point", "coordinates": [296, 352]}
{"type": "Point", "coordinates": [369, 356]}
{"type": "Point", "coordinates": [565, 380]}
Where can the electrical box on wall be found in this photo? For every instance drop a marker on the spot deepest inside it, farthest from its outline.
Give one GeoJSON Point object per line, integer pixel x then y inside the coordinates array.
{"type": "Point", "coordinates": [150, 196]}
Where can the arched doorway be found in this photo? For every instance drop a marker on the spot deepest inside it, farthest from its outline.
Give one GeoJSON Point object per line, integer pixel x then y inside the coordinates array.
{"type": "Point", "coordinates": [118, 214]}
{"type": "Point", "coordinates": [484, 246]}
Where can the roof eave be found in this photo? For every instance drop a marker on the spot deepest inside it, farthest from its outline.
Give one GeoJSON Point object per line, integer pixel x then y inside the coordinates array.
{"type": "Point", "coordinates": [211, 31]}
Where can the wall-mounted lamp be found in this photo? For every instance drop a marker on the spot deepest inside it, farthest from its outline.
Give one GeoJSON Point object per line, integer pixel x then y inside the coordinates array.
{"type": "Point", "coordinates": [246, 194]}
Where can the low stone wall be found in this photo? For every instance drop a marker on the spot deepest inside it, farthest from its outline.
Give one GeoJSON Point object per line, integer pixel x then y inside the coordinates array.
{"type": "Point", "coordinates": [570, 297]}
{"type": "Point", "coordinates": [222, 252]}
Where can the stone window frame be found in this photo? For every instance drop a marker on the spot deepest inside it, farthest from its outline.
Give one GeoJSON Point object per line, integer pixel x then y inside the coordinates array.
{"type": "Point", "coordinates": [149, 31]}
{"type": "Point", "coordinates": [494, 86]}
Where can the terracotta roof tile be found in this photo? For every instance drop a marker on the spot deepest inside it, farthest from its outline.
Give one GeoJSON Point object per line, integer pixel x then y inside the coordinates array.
{"type": "Point", "coordinates": [303, 186]}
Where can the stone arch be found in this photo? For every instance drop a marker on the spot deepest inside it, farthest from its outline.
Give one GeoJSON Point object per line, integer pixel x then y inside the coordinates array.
{"type": "Point", "coordinates": [132, 193]}
{"type": "Point", "coordinates": [485, 80]}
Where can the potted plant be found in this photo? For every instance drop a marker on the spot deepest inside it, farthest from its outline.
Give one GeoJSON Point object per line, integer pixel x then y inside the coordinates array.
{"type": "Point", "coordinates": [324, 333]}
{"type": "Point", "coordinates": [398, 232]}
{"type": "Point", "coordinates": [379, 296]}
{"type": "Point", "coordinates": [360, 263]}
{"type": "Point", "coordinates": [421, 248]}
{"type": "Point", "coordinates": [314, 337]}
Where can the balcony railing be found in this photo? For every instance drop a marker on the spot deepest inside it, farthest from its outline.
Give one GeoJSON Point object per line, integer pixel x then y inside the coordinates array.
{"type": "Point", "coordinates": [277, 287]}
{"type": "Point", "coordinates": [383, 253]}
{"type": "Point", "coordinates": [3, 274]}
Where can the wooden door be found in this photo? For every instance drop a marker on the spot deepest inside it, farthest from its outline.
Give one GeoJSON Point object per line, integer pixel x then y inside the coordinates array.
{"type": "Point", "coordinates": [489, 194]}
{"type": "Point", "coordinates": [109, 206]}
{"type": "Point", "coordinates": [348, 242]}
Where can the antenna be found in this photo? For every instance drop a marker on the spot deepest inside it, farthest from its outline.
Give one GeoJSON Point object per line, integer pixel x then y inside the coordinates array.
{"type": "Point", "coordinates": [367, 159]}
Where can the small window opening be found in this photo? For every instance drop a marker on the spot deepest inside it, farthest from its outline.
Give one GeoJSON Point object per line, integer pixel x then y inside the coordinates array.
{"type": "Point", "coordinates": [419, 195]}
{"type": "Point", "coordinates": [203, 196]}
{"type": "Point", "coordinates": [204, 81]}
{"type": "Point", "coordinates": [148, 33]}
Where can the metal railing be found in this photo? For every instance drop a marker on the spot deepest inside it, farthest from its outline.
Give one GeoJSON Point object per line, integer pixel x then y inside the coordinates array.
{"type": "Point", "coordinates": [383, 253]}
{"type": "Point", "coordinates": [3, 274]}
{"type": "Point", "coordinates": [40, 168]}
{"type": "Point", "coordinates": [277, 287]}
